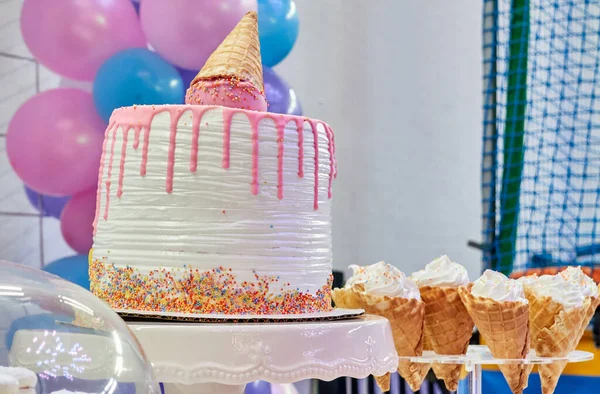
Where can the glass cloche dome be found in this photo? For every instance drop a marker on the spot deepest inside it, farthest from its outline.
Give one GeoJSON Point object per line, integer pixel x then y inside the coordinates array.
{"type": "Point", "coordinates": [56, 337]}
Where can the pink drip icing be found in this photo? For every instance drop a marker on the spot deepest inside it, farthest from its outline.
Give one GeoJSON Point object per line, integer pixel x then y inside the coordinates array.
{"type": "Point", "coordinates": [136, 137]}
{"type": "Point", "coordinates": [142, 118]}
{"type": "Point", "coordinates": [329, 134]}
{"type": "Point", "coordinates": [110, 164]}
{"type": "Point", "coordinates": [101, 172]}
{"type": "Point", "coordinates": [195, 136]}
{"type": "Point", "coordinates": [145, 150]}
{"type": "Point", "coordinates": [254, 125]}
{"type": "Point", "coordinates": [316, 146]}
{"type": "Point", "coordinates": [300, 130]}
{"type": "Point", "coordinates": [332, 152]}
{"type": "Point", "coordinates": [122, 163]}
{"type": "Point", "coordinates": [280, 125]}
{"type": "Point", "coordinates": [227, 116]}
{"type": "Point", "coordinates": [172, 143]}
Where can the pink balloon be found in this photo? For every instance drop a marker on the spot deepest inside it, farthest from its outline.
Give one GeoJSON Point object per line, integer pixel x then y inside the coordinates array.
{"type": "Point", "coordinates": [74, 37]}
{"type": "Point", "coordinates": [54, 142]}
{"type": "Point", "coordinates": [77, 220]}
{"type": "Point", "coordinates": [74, 84]}
{"type": "Point", "coordinates": [186, 32]}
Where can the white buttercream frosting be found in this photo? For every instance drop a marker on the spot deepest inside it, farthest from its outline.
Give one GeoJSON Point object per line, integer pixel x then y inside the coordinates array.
{"type": "Point", "coordinates": [441, 272]}
{"type": "Point", "coordinates": [383, 279]}
{"type": "Point", "coordinates": [497, 286]}
{"type": "Point", "coordinates": [211, 219]}
{"type": "Point", "coordinates": [559, 289]}
{"type": "Point", "coordinates": [577, 277]}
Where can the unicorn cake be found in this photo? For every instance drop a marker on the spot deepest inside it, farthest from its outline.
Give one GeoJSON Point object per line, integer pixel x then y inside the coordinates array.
{"type": "Point", "coordinates": [216, 206]}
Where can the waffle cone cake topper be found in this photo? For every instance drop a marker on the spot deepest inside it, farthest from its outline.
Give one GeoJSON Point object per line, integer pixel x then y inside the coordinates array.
{"type": "Point", "coordinates": [233, 76]}
{"type": "Point", "coordinates": [238, 55]}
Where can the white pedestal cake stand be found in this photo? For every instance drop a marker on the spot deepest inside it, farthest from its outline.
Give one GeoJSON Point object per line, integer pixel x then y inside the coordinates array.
{"type": "Point", "coordinates": [224, 357]}
{"type": "Point", "coordinates": [478, 355]}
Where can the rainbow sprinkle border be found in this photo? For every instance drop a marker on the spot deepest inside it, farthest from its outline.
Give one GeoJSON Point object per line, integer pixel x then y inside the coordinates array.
{"type": "Point", "coordinates": [191, 291]}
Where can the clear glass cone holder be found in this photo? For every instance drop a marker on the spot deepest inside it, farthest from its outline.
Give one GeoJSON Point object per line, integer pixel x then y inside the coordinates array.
{"type": "Point", "coordinates": [478, 355]}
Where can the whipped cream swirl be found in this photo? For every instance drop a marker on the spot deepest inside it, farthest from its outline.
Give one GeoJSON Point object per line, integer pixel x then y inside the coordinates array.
{"type": "Point", "coordinates": [495, 285]}
{"type": "Point", "coordinates": [441, 272]}
{"type": "Point", "coordinates": [577, 277]}
{"type": "Point", "coordinates": [383, 279]}
{"type": "Point", "coordinates": [528, 280]}
{"type": "Point", "coordinates": [566, 293]}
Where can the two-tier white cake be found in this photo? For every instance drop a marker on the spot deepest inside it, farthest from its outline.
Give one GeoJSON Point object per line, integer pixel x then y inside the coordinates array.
{"type": "Point", "coordinates": [214, 209]}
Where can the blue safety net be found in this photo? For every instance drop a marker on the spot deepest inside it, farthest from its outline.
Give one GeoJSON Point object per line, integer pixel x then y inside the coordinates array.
{"type": "Point", "coordinates": [541, 156]}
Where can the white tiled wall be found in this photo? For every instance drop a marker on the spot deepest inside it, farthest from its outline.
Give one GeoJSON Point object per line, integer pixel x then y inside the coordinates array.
{"type": "Point", "coordinates": [24, 236]}
{"type": "Point", "coordinates": [10, 32]}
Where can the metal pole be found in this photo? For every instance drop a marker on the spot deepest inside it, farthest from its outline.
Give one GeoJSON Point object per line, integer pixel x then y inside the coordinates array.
{"type": "Point", "coordinates": [490, 132]}
{"type": "Point", "coordinates": [514, 134]}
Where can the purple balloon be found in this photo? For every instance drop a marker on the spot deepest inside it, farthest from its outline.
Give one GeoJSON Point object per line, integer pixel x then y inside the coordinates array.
{"type": "Point", "coordinates": [48, 205]}
{"type": "Point", "coordinates": [258, 387]}
{"type": "Point", "coordinates": [281, 97]}
{"type": "Point", "coordinates": [187, 76]}
{"type": "Point", "coordinates": [50, 385]}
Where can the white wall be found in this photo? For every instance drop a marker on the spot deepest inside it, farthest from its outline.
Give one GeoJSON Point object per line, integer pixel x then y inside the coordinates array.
{"type": "Point", "coordinates": [400, 82]}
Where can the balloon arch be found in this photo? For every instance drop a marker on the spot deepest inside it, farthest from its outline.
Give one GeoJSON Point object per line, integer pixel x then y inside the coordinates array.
{"type": "Point", "coordinates": [112, 54]}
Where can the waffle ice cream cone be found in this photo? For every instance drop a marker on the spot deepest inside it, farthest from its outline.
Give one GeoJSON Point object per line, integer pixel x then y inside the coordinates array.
{"type": "Point", "coordinates": [594, 303]}
{"type": "Point", "coordinates": [555, 332]}
{"type": "Point", "coordinates": [406, 319]}
{"type": "Point", "coordinates": [384, 382]}
{"type": "Point", "coordinates": [238, 56]}
{"type": "Point", "coordinates": [575, 276]}
{"type": "Point", "coordinates": [426, 340]}
{"type": "Point", "coordinates": [505, 327]}
{"type": "Point", "coordinates": [449, 327]}
{"type": "Point", "coordinates": [427, 346]}
{"type": "Point", "coordinates": [347, 297]}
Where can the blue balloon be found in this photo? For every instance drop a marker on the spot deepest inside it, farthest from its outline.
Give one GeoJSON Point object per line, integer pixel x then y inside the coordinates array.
{"type": "Point", "coordinates": [74, 269]}
{"type": "Point", "coordinates": [136, 76]}
{"type": "Point", "coordinates": [48, 205]}
{"type": "Point", "coordinates": [277, 29]}
{"type": "Point", "coordinates": [258, 387]}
